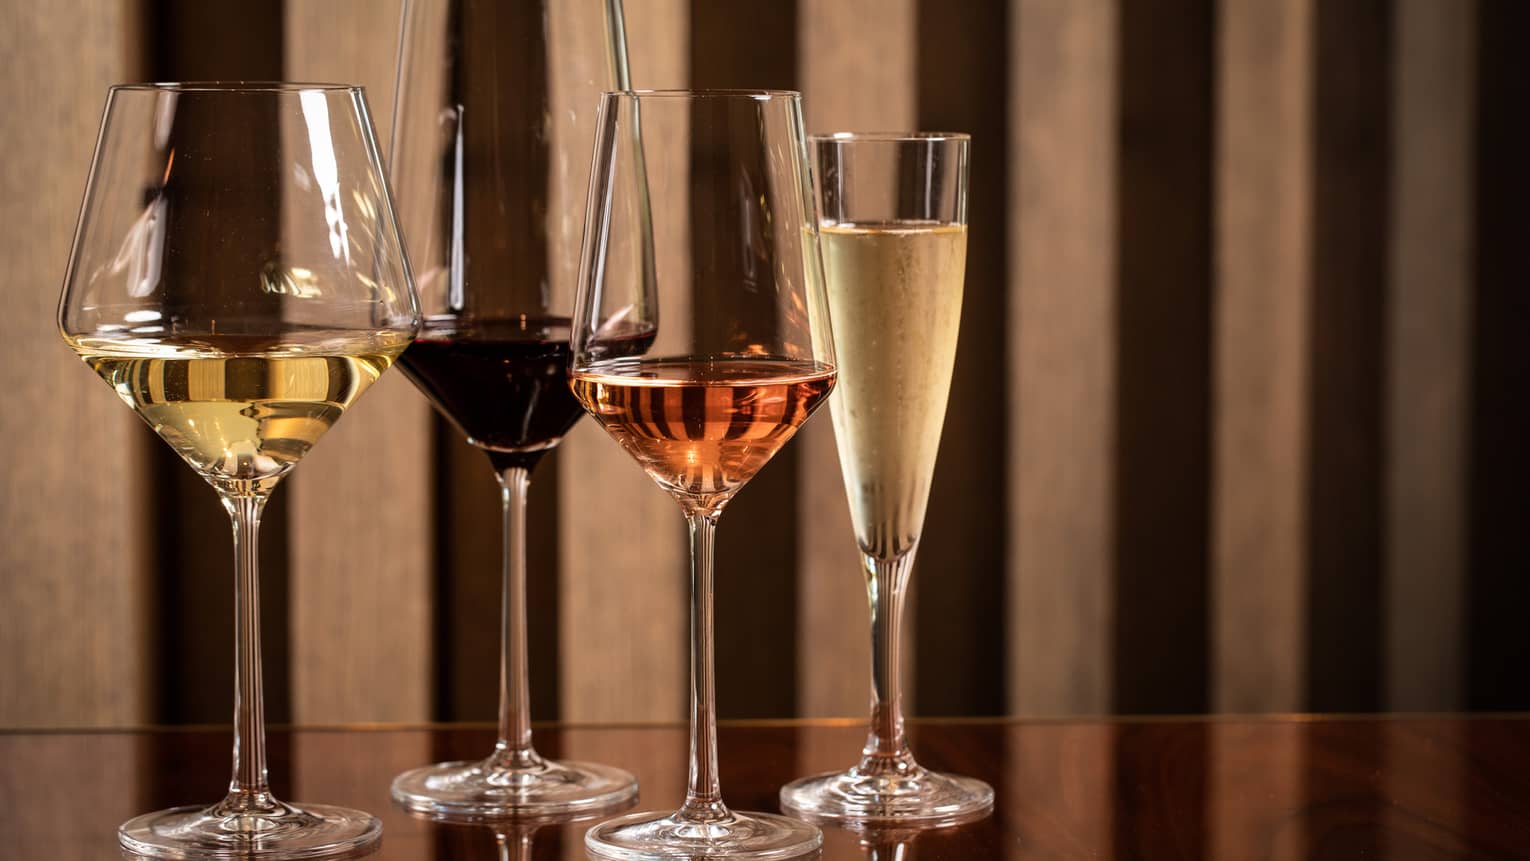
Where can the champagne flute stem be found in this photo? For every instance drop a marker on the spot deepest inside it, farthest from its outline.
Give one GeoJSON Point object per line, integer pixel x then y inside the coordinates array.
{"type": "Point", "coordinates": [703, 795]}
{"type": "Point", "coordinates": [886, 586]}
{"type": "Point", "coordinates": [513, 749]}
{"type": "Point", "coordinates": [248, 791]}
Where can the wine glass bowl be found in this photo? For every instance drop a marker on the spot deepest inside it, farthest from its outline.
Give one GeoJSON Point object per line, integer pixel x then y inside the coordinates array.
{"type": "Point", "coordinates": [735, 357]}
{"type": "Point", "coordinates": [238, 279]}
{"type": "Point", "coordinates": [492, 134]}
{"type": "Point", "coordinates": [894, 239]}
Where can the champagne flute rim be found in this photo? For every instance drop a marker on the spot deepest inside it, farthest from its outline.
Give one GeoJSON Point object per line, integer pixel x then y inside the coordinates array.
{"type": "Point", "coordinates": [236, 87]}
{"type": "Point", "coordinates": [718, 93]}
{"type": "Point", "coordinates": [889, 137]}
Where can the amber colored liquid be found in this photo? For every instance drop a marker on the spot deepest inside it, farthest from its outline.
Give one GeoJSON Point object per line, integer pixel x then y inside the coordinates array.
{"type": "Point", "coordinates": [703, 427]}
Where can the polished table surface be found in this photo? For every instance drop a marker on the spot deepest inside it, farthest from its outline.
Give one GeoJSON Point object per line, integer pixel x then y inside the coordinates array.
{"type": "Point", "coordinates": [1228, 788]}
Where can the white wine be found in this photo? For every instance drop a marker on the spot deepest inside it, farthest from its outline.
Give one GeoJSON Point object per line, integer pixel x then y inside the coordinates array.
{"type": "Point", "coordinates": [895, 296]}
{"type": "Point", "coordinates": [242, 420]}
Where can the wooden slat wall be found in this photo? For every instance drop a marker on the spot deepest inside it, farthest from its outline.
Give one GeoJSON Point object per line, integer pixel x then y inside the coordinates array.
{"type": "Point", "coordinates": [1428, 331]}
{"type": "Point", "coordinates": [74, 588]}
{"type": "Point", "coordinates": [361, 520]}
{"type": "Point", "coordinates": [1259, 538]}
{"type": "Point", "coordinates": [1237, 422]}
{"type": "Point", "coordinates": [1062, 355]}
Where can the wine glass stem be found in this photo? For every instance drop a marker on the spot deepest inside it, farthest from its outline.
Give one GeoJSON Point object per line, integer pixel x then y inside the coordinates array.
{"type": "Point", "coordinates": [886, 586]}
{"type": "Point", "coordinates": [514, 844]}
{"type": "Point", "coordinates": [513, 750]}
{"type": "Point", "coordinates": [703, 795]}
{"type": "Point", "coordinates": [248, 791]}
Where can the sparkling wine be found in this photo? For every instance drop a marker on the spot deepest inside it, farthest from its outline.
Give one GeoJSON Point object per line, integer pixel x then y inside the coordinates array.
{"type": "Point", "coordinates": [703, 427]}
{"type": "Point", "coordinates": [895, 296]}
{"type": "Point", "coordinates": [240, 419]}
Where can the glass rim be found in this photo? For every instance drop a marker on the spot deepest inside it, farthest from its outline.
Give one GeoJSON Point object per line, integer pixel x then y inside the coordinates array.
{"type": "Point", "coordinates": [889, 137]}
{"type": "Point", "coordinates": [234, 87]}
{"type": "Point", "coordinates": [719, 93]}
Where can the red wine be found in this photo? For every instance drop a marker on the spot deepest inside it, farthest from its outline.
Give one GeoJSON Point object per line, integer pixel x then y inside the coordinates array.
{"type": "Point", "coordinates": [503, 384]}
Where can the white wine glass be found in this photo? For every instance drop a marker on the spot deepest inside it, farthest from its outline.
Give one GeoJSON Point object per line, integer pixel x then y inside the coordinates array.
{"type": "Point", "coordinates": [492, 133]}
{"type": "Point", "coordinates": [238, 279]}
{"type": "Point", "coordinates": [741, 357]}
{"type": "Point", "coordinates": [894, 239]}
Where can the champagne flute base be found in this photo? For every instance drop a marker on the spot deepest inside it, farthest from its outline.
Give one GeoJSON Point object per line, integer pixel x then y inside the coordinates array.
{"type": "Point", "coordinates": [655, 836]}
{"type": "Point", "coordinates": [915, 796]}
{"type": "Point", "coordinates": [313, 831]}
{"type": "Point", "coordinates": [482, 790]}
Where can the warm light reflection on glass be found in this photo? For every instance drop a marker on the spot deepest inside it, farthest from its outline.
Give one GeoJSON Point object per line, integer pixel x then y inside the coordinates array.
{"type": "Point", "coordinates": [325, 173]}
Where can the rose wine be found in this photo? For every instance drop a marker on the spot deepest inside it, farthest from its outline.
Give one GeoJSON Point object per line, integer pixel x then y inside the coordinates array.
{"type": "Point", "coordinates": [895, 296]}
{"type": "Point", "coordinates": [703, 427]}
{"type": "Point", "coordinates": [241, 420]}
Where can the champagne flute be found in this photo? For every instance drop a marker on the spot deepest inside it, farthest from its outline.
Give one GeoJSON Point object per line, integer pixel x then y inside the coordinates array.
{"type": "Point", "coordinates": [492, 136]}
{"type": "Point", "coordinates": [742, 357]}
{"type": "Point", "coordinates": [894, 236]}
{"type": "Point", "coordinates": [238, 279]}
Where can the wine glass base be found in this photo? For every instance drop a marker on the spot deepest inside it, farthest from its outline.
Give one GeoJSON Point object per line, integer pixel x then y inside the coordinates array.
{"type": "Point", "coordinates": [479, 790]}
{"type": "Point", "coordinates": [658, 835]}
{"type": "Point", "coordinates": [914, 797]}
{"type": "Point", "coordinates": [312, 831]}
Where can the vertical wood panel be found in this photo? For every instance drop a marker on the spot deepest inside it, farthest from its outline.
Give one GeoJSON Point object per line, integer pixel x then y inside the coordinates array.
{"type": "Point", "coordinates": [1499, 644]}
{"type": "Point", "coordinates": [959, 587]}
{"type": "Point", "coordinates": [360, 532]}
{"type": "Point", "coordinates": [1163, 361]}
{"type": "Point", "coordinates": [1062, 356]}
{"type": "Point", "coordinates": [1350, 155]}
{"type": "Point", "coordinates": [1259, 354]}
{"type": "Point", "coordinates": [74, 579]}
{"type": "Point", "coordinates": [857, 68]}
{"type": "Point", "coordinates": [1428, 332]}
{"type": "Point", "coordinates": [747, 44]}
{"type": "Point", "coordinates": [623, 580]}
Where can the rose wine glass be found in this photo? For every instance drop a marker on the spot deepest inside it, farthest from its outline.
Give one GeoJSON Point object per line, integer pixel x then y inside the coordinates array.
{"type": "Point", "coordinates": [237, 278]}
{"type": "Point", "coordinates": [491, 150]}
{"type": "Point", "coordinates": [742, 357]}
{"type": "Point", "coordinates": [894, 238]}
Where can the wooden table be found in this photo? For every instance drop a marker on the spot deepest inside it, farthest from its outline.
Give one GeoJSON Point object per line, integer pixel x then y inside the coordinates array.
{"type": "Point", "coordinates": [1224, 788]}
